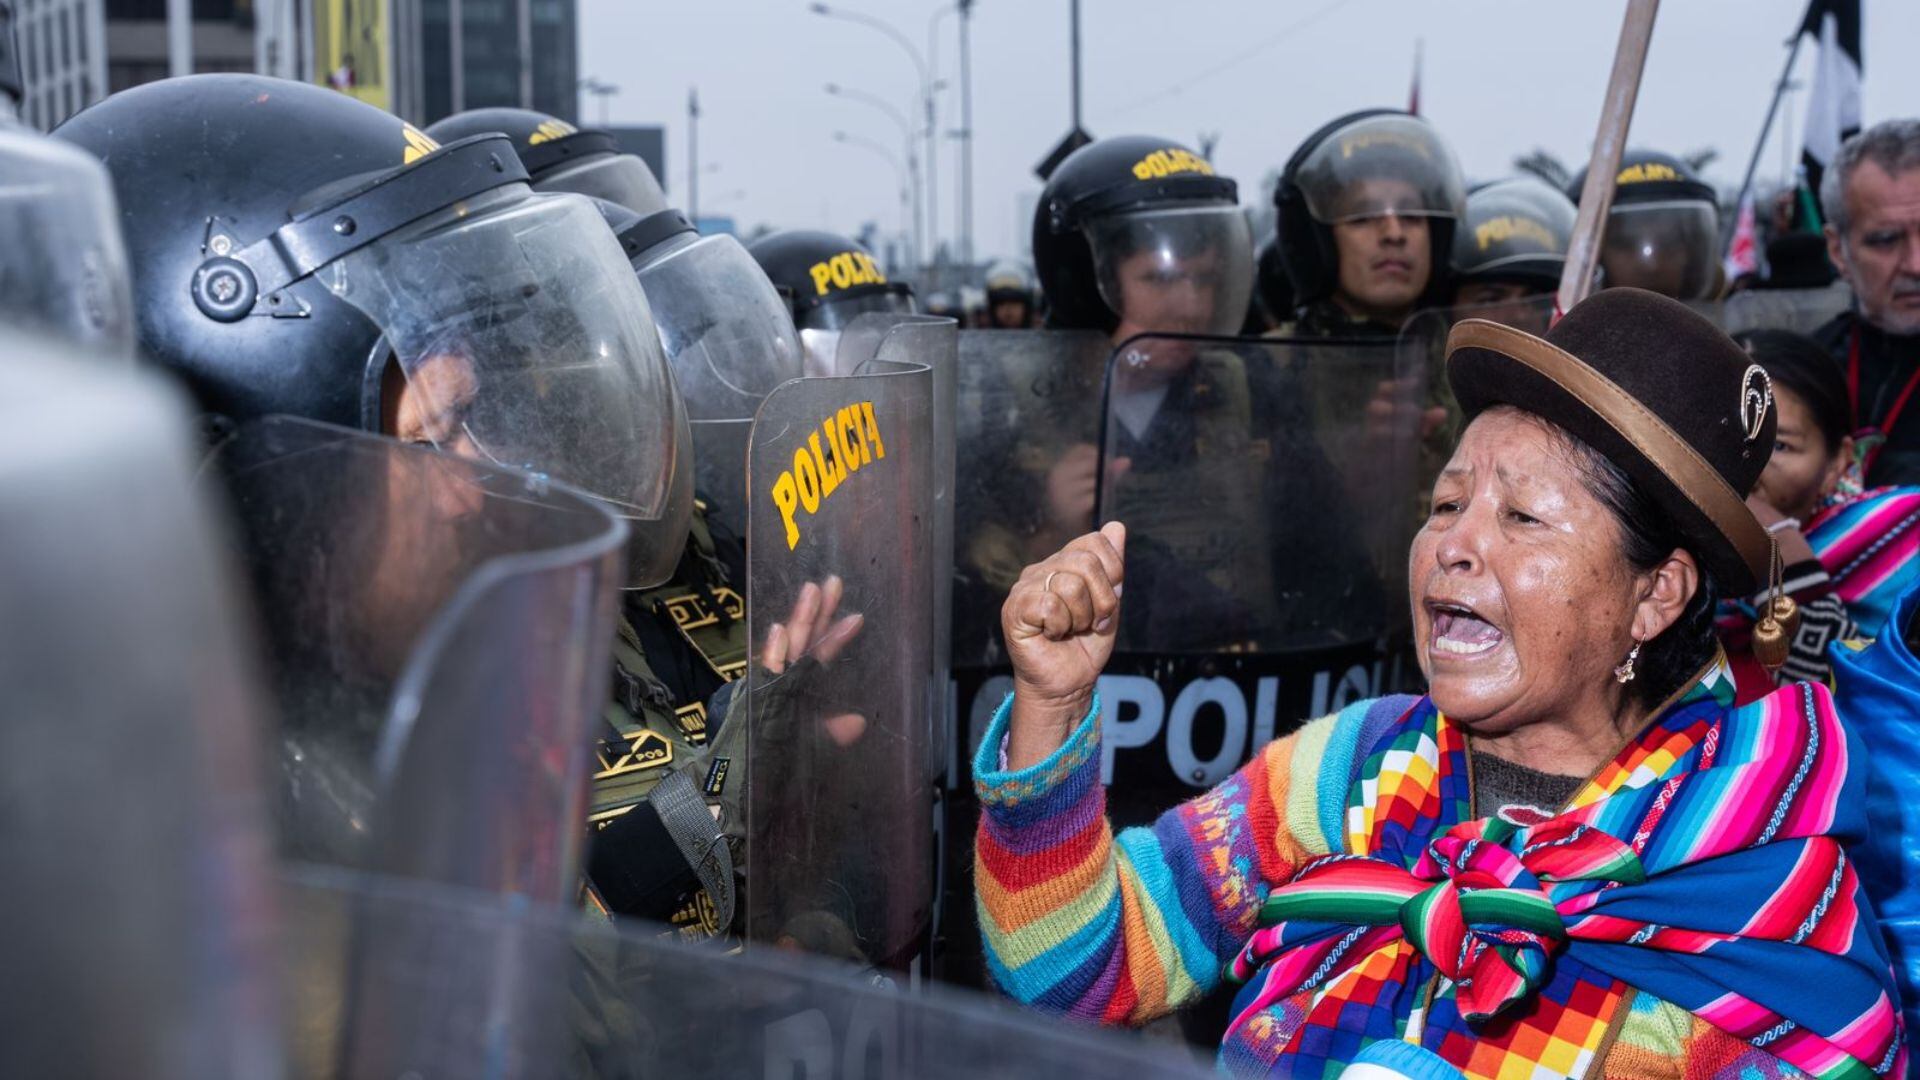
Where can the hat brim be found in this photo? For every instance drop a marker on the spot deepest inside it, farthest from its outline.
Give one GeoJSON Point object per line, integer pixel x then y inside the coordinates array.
{"type": "Point", "coordinates": [1489, 364]}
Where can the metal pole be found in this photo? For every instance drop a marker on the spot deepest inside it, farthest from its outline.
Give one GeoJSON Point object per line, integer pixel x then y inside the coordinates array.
{"type": "Point", "coordinates": [180, 37]}
{"type": "Point", "coordinates": [524, 11]}
{"type": "Point", "coordinates": [966, 132]}
{"type": "Point", "coordinates": [933, 174]}
{"type": "Point", "coordinates": [457, 55]}
{"type": "Point", "coordinates": [1616, 115]}
{"type": "Point", "coordinates": [693, 154]}
{"type": "Point", "coordinates": [1076, 64]}
{"type": "Point", "coordinates": [877, 148]}
{"type": "Point", "coordinates": [926, 89]}
{"type": "Point", "coordinates": [908, 140]}
{"type": "Point", "coordinates": [1766, 127]}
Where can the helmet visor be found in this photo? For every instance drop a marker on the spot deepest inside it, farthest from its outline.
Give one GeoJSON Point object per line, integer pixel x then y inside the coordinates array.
{"type": "Point", "coordinates": [891, 299]}
{"type": "Point", "coordinates": [617, 178]}
{"type": "Point", "coordinates": [726, 331]}
{"type": "Point", "coordinates": [1378, 166]}
{"type": "Point", "coordinates": [1665, 247]}
{"type": "Point", "coordinates": [525, 339]}
{"type": "Point", "coordinates": [1184, 269]}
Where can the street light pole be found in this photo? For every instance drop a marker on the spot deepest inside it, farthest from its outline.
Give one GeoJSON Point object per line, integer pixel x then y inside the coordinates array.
{"type": "Point", "coordinates": [966, 132]}
{"type": "Point", "coordinates": [601, 90]}
{"type": "Point", "coordinates": [907, 139]}
{"type": "Point", "coordinates": [1076, 64]}
{"type": "Point", "coordinates": [926, 97]}
{"type": "Point", "coordinates": [899, 175]}
{"type": "Point", "coordinates": [693, 154]}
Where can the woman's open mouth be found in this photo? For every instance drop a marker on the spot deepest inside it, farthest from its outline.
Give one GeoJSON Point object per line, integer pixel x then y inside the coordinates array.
{"type": "Point", "coordinates": [1460, 631]}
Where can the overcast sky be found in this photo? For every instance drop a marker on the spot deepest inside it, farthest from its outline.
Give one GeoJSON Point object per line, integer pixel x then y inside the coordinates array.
{"type": "Point", "coordinates": [1501, 78]}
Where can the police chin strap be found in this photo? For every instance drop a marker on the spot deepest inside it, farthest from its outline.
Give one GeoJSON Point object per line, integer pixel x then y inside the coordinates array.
{"type": "Point", "coordinates": [684, 813]}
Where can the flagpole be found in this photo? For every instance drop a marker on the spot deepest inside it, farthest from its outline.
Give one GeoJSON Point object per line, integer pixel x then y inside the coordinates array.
{"type": "Point", "coordinates": [1766, 127]}
{"type": "Point", "coordinates": [1609, 143]}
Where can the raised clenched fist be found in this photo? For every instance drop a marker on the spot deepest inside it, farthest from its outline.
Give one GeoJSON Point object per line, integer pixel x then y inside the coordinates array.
{"type": "Point", "coordinates": [1059, 621]}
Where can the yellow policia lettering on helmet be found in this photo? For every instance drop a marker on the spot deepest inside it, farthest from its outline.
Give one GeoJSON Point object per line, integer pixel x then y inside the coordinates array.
{"type": "Point", "coordinates": [1646, 171]}
{"type": "Point", "coordinates": [852, 443]}
{"type": "Point", "coordinates": [1507, 227]}
{"type": "Point", "coordinates": [550, 130]}
{"type": "Point", "coordinates": [419, 144]}
{"type": "Point", "coordinates": [1169, 162]}
{"type": "Point", "coordinates": [844, 271]}
{"type": "Point", "coordinates": [1369, 140]}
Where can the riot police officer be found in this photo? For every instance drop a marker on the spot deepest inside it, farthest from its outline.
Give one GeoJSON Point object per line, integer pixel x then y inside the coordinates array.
{"type": "Point", "coordinates": [678, 643]}
{"type": "Point", "coordinates": [1010, 298]}
{"type": "Point", "coordinates": [1663, 230]}
{"type": "Point", "coordinates": [1366, 212]}
{"type": "Point", "coordinates": [830, 280]}
{"type": "Point", "coordinates": [561, 157]}
{"type": "Point", "coordinates": [324, 260]}
{"type": "Point", "coordinates": [1137, 234]}
{"type": "Point", "coordinates": [682, 646]}
{"type": "Point", "coordinates": [1511, 246]}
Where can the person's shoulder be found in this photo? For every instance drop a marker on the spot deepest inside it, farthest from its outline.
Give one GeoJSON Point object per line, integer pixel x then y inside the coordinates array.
{"type": "Point", "coordinates": [1833, 334]}
{"type": "Point", "coordinates": [1350, 735]}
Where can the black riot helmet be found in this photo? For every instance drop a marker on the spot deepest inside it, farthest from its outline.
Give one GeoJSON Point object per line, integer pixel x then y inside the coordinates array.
{"type": "Point", "coordinates": [728, 332]}
{"type": "Point", "coordinates": [1515, 231]}
{"type": "Point", "coordinates": [831, 279]}
{"type": "Point", "coordinates": [1365, 165]}
{"type": "Point", "coordinates": [1663, 230]}
{"type": "Point", "coordinates": [561, 157]}
{"type": "Point", "coordinates": [63, 267]}
{"type": "Point", "coordinates": [1135, 208]}
{"type": "Point", "coordinates": [321, 258]}
{"type": "Point", "coordinates": [1274, 291]}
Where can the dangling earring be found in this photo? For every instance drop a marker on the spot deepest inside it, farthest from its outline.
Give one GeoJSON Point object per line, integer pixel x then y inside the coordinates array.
{"type": "Point", "coordinates": [1624, 673]}
{"type": "Point", "coordinates": [1779, 620]}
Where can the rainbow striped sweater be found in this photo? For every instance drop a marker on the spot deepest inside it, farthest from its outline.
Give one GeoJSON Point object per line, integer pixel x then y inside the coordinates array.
{"type": "Point", "coordinates": [1123, 929]}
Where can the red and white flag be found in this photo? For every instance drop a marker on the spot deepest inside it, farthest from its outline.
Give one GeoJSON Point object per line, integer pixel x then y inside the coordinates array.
{"type": "Point", "coordinates": [1743, 254]}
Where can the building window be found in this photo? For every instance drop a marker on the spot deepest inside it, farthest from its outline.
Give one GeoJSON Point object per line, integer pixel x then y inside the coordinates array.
{"type": "Point", "coordinates": [66, 38]}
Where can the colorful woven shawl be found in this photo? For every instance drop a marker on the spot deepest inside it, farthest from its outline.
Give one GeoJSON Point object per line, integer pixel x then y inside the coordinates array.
{"type": "Point", "coordinates": [1870, 546]}
{"type": "Point", "coordinates": [1702, 866]}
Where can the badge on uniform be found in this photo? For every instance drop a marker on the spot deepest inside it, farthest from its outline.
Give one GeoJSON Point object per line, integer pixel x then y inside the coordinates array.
{"type": "Point", "coordinates": [717, 777]}
{"type": "Point", "coordinates": [646, 749]}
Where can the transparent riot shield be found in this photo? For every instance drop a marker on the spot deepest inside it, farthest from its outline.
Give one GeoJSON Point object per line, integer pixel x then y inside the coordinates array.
{"type": "Point", "coordinates": [838, 813]}
{"type": "Point", "coordinates": [883, 341]}
{"type": "Point", "coordinates": [135, 922]}
{"type": "Point", "coordinates": [1800, 310]}
{"type": "Point", "coordinates": [1270, 489]}
{"type": "Point", "coordinates": [63, 266]}
{"type": "Point", "coordinates": [1027, 435]}
{"type": "Point", "coordinates": [720, 470]}
{"type": "Point", "coordinates": [436, 632]}
{"type": "Point", "coordinates": [618, 1002]}
{"type": "Point", "coordinates": [1267, 508]}
{"type": "Point", "coordinates": [1426, 400]}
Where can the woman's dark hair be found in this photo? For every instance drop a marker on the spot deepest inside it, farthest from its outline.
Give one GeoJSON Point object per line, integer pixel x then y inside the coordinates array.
{"type": "Point", "coordinates": [1648, 536]}
{"type": "Point", "coordinates": [1798, 363]}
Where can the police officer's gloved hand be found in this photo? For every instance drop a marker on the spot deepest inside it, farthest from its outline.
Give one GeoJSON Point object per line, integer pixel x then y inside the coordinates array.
{"type": "Point", "coordinates": [783, 693]}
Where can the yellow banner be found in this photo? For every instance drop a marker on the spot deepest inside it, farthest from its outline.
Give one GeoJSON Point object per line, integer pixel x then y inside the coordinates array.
{"type": "Point", "coordinates": [350, 49]}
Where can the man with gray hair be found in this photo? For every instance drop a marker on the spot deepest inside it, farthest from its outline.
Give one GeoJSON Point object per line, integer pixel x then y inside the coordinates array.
{"type": "Point", "coordinates": [1871, 198]}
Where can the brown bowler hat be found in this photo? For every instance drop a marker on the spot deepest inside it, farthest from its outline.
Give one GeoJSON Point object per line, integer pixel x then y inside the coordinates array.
{"type": "Point", "coordinates": [1657, 389]}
